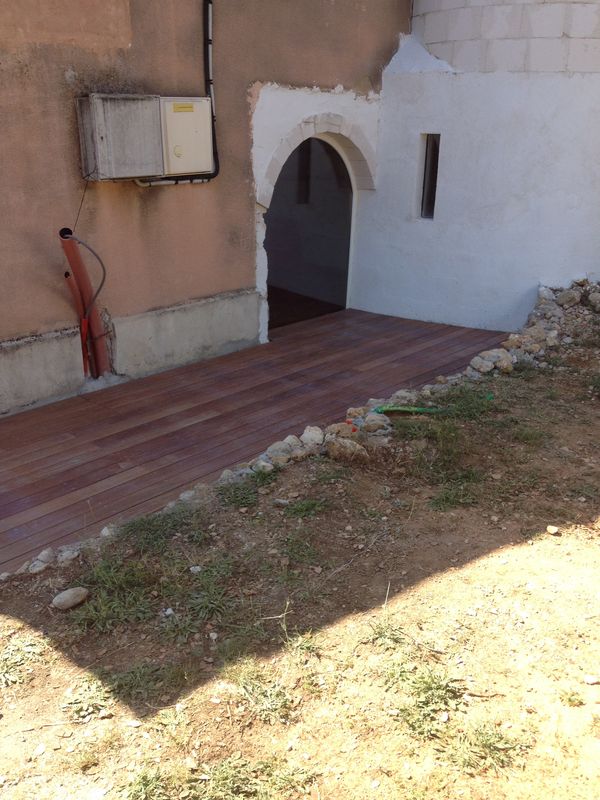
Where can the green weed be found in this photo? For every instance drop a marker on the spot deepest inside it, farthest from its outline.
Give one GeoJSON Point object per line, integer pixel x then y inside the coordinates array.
{"type": "Point", "coordinates": [298, 549]}
{"type": "Point", "coordinates": [17, 657]}
{"type": "Point", "coordinates": [468, 402]}
{"type": "Point", "coordinates": [483, 748]}
{"type": "Point", "coordinates": [572, 699]}
{"type": "Point", "coordinates": [305, 508]}
{"type": "Point", "coordinates": [239, 495]}
{"type": "Point", "coordinates": [150, 534]}
{"type": "Point", "coordinates": [432, 695]}
{"type": "Point", "coordinates": [267, 699]}
{"type": "Point", "coordinates": [87, 700]}
{"type": "Point", "coordinates": [120, 593]}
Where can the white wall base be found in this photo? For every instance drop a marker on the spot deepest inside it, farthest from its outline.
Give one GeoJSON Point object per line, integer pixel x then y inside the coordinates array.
{"type": "Point", "coordinates": [169, 337]}
{"type": "Point", "coordinates": [37, 368]}
{"type": "Point", "coordinates": [49, 367]}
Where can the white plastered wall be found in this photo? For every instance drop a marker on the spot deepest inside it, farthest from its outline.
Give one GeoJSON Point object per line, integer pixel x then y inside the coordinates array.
{"type": "Point", "coordinates": [285, 117]}
{"type": "Point", "coordinates": [518, 193]}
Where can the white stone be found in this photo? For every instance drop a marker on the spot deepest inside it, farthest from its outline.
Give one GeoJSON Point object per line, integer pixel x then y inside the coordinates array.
{"type": "Point", "coordinates": [67, 554]}
{"type": "Point", "coordinates": [46, 556]}
{"type": "Point", "coordinates": [545, 293]}
{"type": "Point", "coordinates": [375, 422]}
{"type": "Point", "coordinates": [37, 566]}
{"type": "Point", "coordinates": [4, 576]}
{"type": "Point", "coordinates": [293, 441]}
{"type": "Point", "coordinates": [262, 465]}
{"type": "Point", "coordinates": [346, 450]}
{"type": "Point", "coordinates": [278, 449]}
{"type": "Point", "coordinates": [70, 598]}
{"type": "Point", "coordinates": [481, 365]}
{"type": "Point", "coordinates": [312, 436]}
{"type": "Point", "coordinates": [594, 301]}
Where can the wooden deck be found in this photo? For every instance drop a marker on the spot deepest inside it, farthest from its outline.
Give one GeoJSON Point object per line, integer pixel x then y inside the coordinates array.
{"type": "Point", "coordinates": [69, 468]}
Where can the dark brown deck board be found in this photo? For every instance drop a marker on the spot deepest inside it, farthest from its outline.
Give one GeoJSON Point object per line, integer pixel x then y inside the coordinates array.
{"type": "Point", "coordinates": [73, 466]}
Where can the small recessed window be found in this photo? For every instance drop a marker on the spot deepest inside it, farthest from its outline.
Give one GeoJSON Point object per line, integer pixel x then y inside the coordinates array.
{"type": "Point", "coordinates": [432, 154]}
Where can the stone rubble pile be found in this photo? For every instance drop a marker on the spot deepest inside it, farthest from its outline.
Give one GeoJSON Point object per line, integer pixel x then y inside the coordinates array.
{"type": "Point", "coordinates": [560, 318]}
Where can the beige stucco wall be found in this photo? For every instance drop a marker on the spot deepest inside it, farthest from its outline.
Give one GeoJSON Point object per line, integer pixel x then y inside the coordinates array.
{"type": "Point", "coordinates": [166, 245]}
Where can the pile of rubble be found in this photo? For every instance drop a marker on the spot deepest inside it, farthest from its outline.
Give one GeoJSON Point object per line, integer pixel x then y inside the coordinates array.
{"type": "Point", "coordinates": [559, 317]}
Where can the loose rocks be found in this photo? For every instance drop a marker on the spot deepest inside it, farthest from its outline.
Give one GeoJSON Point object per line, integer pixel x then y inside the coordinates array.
{"type": "Point", "coordinates": [70, 598]}
{"type": "Point", "coordinates": [346, 450]}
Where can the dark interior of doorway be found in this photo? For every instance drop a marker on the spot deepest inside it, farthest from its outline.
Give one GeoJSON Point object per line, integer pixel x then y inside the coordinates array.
{"type": "Point", "coordinates": [308, 235]}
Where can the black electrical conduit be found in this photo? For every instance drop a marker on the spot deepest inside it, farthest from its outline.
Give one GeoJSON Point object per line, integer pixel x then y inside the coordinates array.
{"type": "Point", "coordinates": [209, 89]}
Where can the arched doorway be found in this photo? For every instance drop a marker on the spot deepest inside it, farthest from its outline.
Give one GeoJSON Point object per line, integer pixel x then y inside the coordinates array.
{"type": "Point", "coordinates": [308, 235]}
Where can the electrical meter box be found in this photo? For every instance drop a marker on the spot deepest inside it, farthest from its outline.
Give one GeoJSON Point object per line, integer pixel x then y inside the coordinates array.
{"type": "Point", "coordinates": [144, 136]}
{"type": "Point", "coordinates": [186, 135]}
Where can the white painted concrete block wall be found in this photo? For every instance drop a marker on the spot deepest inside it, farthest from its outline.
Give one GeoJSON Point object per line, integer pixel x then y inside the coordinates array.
{"type": "Point", "coordinates": [518, 198]}
{"type": "Point", "coordinates": [528, 36]}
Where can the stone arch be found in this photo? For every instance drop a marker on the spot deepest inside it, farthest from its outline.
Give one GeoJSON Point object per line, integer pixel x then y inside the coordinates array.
{"type": "Point", "coordinates": [347, 139]}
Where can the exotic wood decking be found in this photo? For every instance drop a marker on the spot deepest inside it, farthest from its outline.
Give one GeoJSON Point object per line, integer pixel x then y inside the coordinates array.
{"type": "Point", "coordinates": [69, 468]}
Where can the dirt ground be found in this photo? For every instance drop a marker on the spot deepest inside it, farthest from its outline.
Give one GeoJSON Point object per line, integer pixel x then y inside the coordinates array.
{"type": "Point", "coordinates": [405, 629]}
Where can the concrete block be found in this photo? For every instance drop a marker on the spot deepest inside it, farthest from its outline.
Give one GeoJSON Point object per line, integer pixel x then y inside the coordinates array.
{"type": "Point", "coordinates": [584, 55]}
{"type": "Point", "coordinates": [501, 22]}
{"type": "Point", "coordinates": [464, 23]}
{"type": "Point", "coordinates": [426, 6]}
{"type": "Point", "coordinates": [444, 51]}
{"type": "Point", "coordinates": [583, 21]}
{"type": "Point", "coordinates": [436, 27]}
{"type": "Point", "coordinates": [547, 55]}
{"type": "Point", "coordinates": [506, 55]}
{"type": "Point", "coordinates": [469, 56]}
{"type": "Point", "coordinates": [165, 338]}
{"type": "Point", "coordinates": [418, 28]}
{"type": "Point", "coordinates": [39, 367]}
{"type": "Point", "coordinates": [544, 21]}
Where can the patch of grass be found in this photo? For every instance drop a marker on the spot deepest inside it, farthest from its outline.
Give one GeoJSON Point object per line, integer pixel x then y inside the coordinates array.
{"type": "Point", "coordinates": [468, 402]}
{"type": "Point", "coordinates": [17, 658]}
{"type": "Point", "coordinates": [145, 682]}
{"type": "Point", "coordinates": [573, 699]}
{"type": "Point", "coordinates": [239, 495]}
{"type": "Point", "coordinates": [150, 534]}
{"type": "Point", "coordinates": [594, 384]}
{"type": "Point", "coordinates": [482, 749]}
{"type": "Point", "coordinates": [267, 699]}
{"type": "Point", "coordinates": [386, 634]}
{"type": "Point", "coordinates": [458, 492]}
{"type": "Point", "coordinates": [527, 435]}
{"type": "Point", "coordinates": [87, 700]}
{"type": "Point", "coordinates": [266, 478]}
{"type": "Point", "coordinates": [234, 778]}
{"type": "Point", "coordinates": [589, 491]}
{"type": "Point", "coordinates": [298, 549]}
{"type": "Point", "coordinates": [411, 428]}
{"type": "Point", "coordinates": [305, 508]}
{"type": "Point", "coordinates": [441, 462]}
{"type": "Point", "coordinates": [152, 786]}
{"type": "Point", "coordinates": [92, 753]}
{"type": "Point", "coordinates": [120, 593]}
{"type": "Point", "coordinates": [302, 644]}
{"type": "Point", "coordinates": [433, 694]}
{"type": "Point", "coordinates": [524, 371]}
{"type": "Point", "coordinates": [331, 474]}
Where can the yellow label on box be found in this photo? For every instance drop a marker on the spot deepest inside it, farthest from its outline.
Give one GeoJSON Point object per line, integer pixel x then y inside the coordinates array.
{"type": "Point", "coordinates": [183, 107]}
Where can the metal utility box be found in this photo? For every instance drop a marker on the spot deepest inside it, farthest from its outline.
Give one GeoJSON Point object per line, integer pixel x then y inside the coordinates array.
{"type": "Point", "coordinates": [120, 136]}
{"type": "Point", "coordinates": [186, 135]}
{"type": "Point", "coordinates": [144, 136]}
